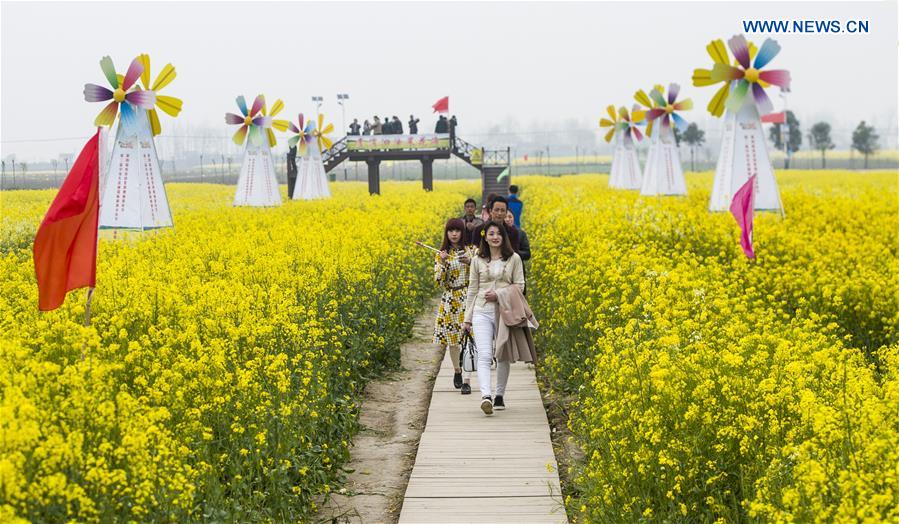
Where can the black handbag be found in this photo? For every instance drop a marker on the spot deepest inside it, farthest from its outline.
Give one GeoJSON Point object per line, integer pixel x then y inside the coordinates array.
{"type": "Point", "coordinates": [468, 357]}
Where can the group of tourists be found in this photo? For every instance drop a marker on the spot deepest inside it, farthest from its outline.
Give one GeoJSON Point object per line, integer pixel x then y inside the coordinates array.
{"type": "Point", "coordinates": [480, 269]}
{"type": "Point", "coordinates": [393, 126]}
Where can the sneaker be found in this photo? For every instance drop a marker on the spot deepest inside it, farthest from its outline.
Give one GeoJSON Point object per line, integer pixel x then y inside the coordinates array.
{"type": "Point", "coordinates": [487, 406]}
{"type": "Point", "coordinates": [498, 403]}
{"type": "Point", "coordinates": [457, 380]}
{"type": "Point", "coordinates": [466, 389]}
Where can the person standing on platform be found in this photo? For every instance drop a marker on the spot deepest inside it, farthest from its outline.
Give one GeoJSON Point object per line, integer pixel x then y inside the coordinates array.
{"type": "Point", "coordinates": [354, 127]}
{"type": "Point", "coordinates": [366, 127]}
{"type": "Point", "coordinates": [377, 128]}
{"type": "Point", "coordinates": [397, 126]}
{"type": "Point", "coordinates": [413, 125]}
{"type": "Point", "coordinates": [291, 170]}
{"type": "Point", "coordinates": [451, 274]}
{"type": "Point", "coordinates": [516, 206]}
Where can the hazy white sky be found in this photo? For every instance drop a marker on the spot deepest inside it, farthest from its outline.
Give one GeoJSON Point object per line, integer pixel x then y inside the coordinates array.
{"type": "Point", "coordinates": [533, 61]}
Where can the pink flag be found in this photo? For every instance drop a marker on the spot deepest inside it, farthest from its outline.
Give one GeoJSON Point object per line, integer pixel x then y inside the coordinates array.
{"type": "Point", "coordinates": [742, 208]}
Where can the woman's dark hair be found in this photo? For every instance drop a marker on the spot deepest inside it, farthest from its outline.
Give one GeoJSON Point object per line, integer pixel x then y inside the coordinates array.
{"type": "Point", "coordinates": [452, 224]}
{"type": "Point", "coordinates": [505, 247]}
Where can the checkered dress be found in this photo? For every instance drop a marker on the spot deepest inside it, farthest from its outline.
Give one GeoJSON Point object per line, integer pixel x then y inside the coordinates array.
{"type": "Point", "coordinates": [452, 277]}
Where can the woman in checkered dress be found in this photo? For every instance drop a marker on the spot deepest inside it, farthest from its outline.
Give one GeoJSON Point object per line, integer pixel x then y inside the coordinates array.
{"type": "Point", "coordinates": [451, 274]}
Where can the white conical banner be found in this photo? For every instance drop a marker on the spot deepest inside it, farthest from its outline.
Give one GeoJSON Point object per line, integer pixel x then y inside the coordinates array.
{"type": "Point", "coordinates": [312, 181]}
{"type": "Point", "coordinates": [625, 173]}
{"type": "Point", "coordinates": [132, 194]}
{"type": "Point", "coordinates": [744, 153]}
{"type": "Point", "coordinates": [663, 174]}
{"type": "Point", "coordinates": [257, 185]}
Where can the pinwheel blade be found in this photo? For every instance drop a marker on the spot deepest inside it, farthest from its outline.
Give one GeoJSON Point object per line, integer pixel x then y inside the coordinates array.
{"type": "Point", "coordinates": [605, 122]}
{"type": "Point", "coordinates": [142, 99]}
{"type": "Point", "coordinates": [242, 105]}
{"type": "Point", "coordinates": [293, 128]}
{"type": "Point", "coordinates": [673, 91]}
{"type": "Point", "coordinates": [272, 141]}
{"type": "Point", "coordinates": [127, 115]}
{"type": "Point", "coordinates": [321, 120]}
{"type": "Point", "coordinates": [610, 135]}
{"type": "Point", "coordinates": [640, 96]}
{"type": "Point", "coordinates": [716, 105]}
{"type": "Point", "coordinates": [302, 149]}
{"type": "Point", "coordinates": [622, 113]}
{"type": "Point", "coordinates": [679, 122]}
{"type": "Point", "coordinates": [769, 50]}
{"type": "Point", "coordinates": [649, 127]}
{"type": "Point", "coordinates": [327, 142]}
{"type": "Point", "coordinates": [107, 115]}
{"type": "Point", "coordinates": [762, 102]}
{"type": "Point", "coordinates": [309, 129]}
{"type": "Point", "coordinates": [666, 122]}
{"type": "Point", "coordinates": [737, 97]}
{"type": "Point", "coordinates": [255, 136]}
{"type": "Point", "coordinates": [654, 113]}
{"type": "Point", "coordinates": [702, 77]}
{"type": "Point", "coordinates": [778, 77]}
{"type": "Point", "coordinates": [169, 104]}
{"type": "Point", "coordinates": [154, 122]}
{"type": "Point", "coordinates": [657, 98]}
{"type": "Point", "coordinates": [637, 134]}
{"type": "Point", "coordinates": [328, 129]}
{"type": "Point", "coordinates": [683, 105]}
{"type": "Point", "coordinates": [280, 125]}
{"type": "Point", "coordinates": [637, 115]}
{"type": "Point", "coordinates": [240, 135]}
{"type": "Point", "coordinates": [165, 77]}
{"type": "Point", "coordinates": [276, 107]}
{"type": "Point", "coordinates": [740, 48]}
{"type": "Point", "coordinates": [145, 75]}
{"type": "Point", "coordinates": [95, 93]}
{"type": "Point", "coordinates": [292, 141]}
{"type": "Point", "coordinates": [109, 70]}
{"type": "Point", "coordinates": [231, 118]}
{"type": "Point", "coordinates": [726, 73]}
{"type": "Point", "coordinates": [263, 121]}
{"type": "Point", "coordinates": [718, 52]}
{"type": "Point", "coordinates": [302, 121]}
{"type": "Point", "coordinates": [612, 114]}
{"type": "Point", "coordinates": [134, 72]}
{"type": "Point", "coordinates": [257, 105]}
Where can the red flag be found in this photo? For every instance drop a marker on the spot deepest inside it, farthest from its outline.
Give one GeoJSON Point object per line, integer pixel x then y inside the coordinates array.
{"type": "Point", "coordinates": [775, 118]}
{"type": "Point", "coordinates": [742, 208]}
{"type": "Point", "coordinates": [442, 105]}
{"type": "Point", "coordinates": [65, 246]}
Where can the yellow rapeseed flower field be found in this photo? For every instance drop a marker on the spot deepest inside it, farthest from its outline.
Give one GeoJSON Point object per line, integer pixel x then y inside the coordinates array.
{"type": "Point", "coordinates": [224, 358]}
{"type": "Point", "coordinates": [702, 386]}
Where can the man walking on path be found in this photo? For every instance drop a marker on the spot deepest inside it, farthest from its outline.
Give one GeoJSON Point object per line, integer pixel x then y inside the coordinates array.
{"type": "Point", "coordinates": [471, 222]}
{"type": "Point", "coordinates": [515, 204]}
{"type": "Point", "coordinates": [291, 170]}
{"type": "Point", "coordinates": [498, 209]}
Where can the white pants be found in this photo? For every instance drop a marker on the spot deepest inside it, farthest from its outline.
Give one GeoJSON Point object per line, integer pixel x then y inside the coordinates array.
{"type": "Point", "coordinates": [483, 324]}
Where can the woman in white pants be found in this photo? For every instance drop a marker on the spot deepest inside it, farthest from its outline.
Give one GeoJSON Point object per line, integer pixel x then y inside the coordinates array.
{"type": "Point", "coordinates": [496, 266]}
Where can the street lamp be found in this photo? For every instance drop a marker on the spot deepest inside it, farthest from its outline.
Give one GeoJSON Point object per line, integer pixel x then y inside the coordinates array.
{"type": "Point", "coordinates": [317, 100]}
{"type": "Point", "coordinates": [341, 99]}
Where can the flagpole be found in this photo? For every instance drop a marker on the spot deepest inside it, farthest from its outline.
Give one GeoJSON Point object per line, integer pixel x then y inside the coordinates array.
{"type": "Point", "coordinates": [87, 318]}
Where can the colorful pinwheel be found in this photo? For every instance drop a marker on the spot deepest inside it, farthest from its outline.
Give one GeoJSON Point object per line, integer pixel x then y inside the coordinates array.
{"type": "Point", "coordinates": [280, 125]}
{"type": "Point", "coordinates": [320, 133]}
{"type": "Point", "coordinates": [120, 94]}
{"type": "Point", "coordinates": [665, 109]}
{"type": "Point", "coordinates": [746, 73]}
{"type": "Point", "coordinates": [169, 104]}
{"type": "Point", "coordinates": [629, 124]}
{"type": "Point", "coordinates": [611, 122]}
{"type": "Point", "coordinates": [304, 135]}
{"type": "Point", "coordinates": [249, 122]}
{"type": "Point", "coordinates": [648, 103]}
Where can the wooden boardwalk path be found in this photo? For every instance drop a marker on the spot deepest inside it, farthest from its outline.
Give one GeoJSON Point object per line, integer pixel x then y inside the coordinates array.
{"type": "Point", "coordinates": [474, 468]}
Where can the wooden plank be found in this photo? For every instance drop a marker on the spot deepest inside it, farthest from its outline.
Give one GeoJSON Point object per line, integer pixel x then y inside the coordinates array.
{"type": "Point", "coordinates": [473, 468]}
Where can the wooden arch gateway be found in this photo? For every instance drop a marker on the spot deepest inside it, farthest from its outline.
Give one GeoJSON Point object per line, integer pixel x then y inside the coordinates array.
{"type": "Point", "coordinates": [374, 149]}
